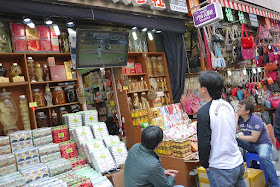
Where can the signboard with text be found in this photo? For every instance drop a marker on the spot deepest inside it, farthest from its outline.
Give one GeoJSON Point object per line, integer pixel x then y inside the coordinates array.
{"type": "Point", "coordinates": [178, 6]}
{"type": "Point", "coordinates": [208, 14]}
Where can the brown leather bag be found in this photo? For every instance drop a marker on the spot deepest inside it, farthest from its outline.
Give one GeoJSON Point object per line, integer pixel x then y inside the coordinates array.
{"type": "Point", "coordinates": [272, 66]}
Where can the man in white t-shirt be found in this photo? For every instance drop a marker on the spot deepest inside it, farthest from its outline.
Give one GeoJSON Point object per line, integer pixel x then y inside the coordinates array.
{"type": "Point", "coordinates": [216, 129]}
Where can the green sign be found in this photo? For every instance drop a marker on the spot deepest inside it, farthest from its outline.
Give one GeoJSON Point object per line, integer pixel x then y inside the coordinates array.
{"type": "Point", "coordinates": [229, 14]}
{"type": "Point", "coordinates": [241, 17]}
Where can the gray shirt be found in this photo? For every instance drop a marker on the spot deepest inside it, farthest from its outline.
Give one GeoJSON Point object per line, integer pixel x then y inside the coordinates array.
{"type": "Point", "coordinates": [143, 168]}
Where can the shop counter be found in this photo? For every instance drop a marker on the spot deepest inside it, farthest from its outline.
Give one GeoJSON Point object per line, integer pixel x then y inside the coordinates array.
{"type": "Point", "coordinates": [184, 167]}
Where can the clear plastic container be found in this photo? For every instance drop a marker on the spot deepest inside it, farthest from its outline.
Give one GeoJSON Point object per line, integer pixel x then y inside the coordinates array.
{"type": "Point", "coordinates": [154, 63]}
{"type": "Point", "coordinates": [31, 69]}
{"type": "Point", "coordinates": [160, 67]}
{"type": "Point", "coordinates": [42, 120]}
{"type": "Point", "coordinates": [24, 112]}
{"type": "Point", "coordinates": [38, 97]}
{"type": "Point", "coordinates": [58, 96]}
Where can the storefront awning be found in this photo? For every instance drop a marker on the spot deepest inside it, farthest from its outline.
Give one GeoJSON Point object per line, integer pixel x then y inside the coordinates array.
{"type": "Point", "coordinates": [245, 7]}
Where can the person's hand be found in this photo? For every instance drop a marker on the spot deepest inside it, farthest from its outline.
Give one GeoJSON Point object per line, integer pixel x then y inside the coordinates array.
{"type": "Point", "coordinates": [236, 115]}
{"type": "Point", "coordinates": [171, 172]}
{"type": "Point", "coordinates": [207, 168]}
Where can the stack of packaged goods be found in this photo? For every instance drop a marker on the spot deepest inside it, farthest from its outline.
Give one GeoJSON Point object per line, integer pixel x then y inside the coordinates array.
{"type": "Point", "coordinates": [68, 149]}
{"type": "Point", "coordinates": [178, 148]}
{"type": "Point", "coordinates": [82, 134]}
{"type": "Point", "coordinates": [119, 152]}
{"type": "Point", "coordinates": [33, 173]}
{"type": "Point", "coordinates": [90, 116]}
{"type": "Point", "coordinates": [99, 130]}
{"type": "Point", "coordinates": [20, 139]}
{"type": "Point", "coordinates": [42, 136]}
{"type": "Point", "coordinates": [26, 157]}
{"type": "Point", "coordinates": [49, 152]}
{"type": "Point", "coordinates": [5, 147]}
{"type": "Point", "coordinates": [60, 134]}
{"type": "Point", "coordinates": [103, 160]}
{"type": "Point", "coordinates": [72, 120]}
{"type": "Point", "coordinates": [7, 164]}
{"type": "Point", "coordinates": [91, 146]}
{"type": "Point", "coordinates": [59, 166]}
{"type": "Point", "coordinates": [110, 140]}
{"type": "Point", "coordinates": [48, 181]}
{"type": "Point", "coordinates": [78, 161]}
{"type": "Point", "coordinates": [12, 179]}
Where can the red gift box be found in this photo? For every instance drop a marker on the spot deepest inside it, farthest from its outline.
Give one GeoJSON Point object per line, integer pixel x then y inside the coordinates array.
{"type": "Point", "coordinates": [33, 45]}
{"type": "Point", "coordinates": [58, 73]}
{"type": "Point", "coordinates": [46, 45]}
{"type": "Point", "coordinates": [138, 68]}
{"type": "Point", "coordinates": [18, 30]}
{"type": "Point", "coordinates": [20, 45]}
{"type": "Point", "coordinates": [44, 32]}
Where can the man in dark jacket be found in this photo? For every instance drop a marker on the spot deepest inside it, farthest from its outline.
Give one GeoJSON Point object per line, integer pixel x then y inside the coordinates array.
{"type": "Point", "coordinates": [143, 167]}
{"type": "Point", "coordinates": [277, 124]}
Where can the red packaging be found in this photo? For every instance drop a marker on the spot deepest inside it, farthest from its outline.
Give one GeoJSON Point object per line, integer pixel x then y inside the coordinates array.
{"type": "Point", "coordinates": [60, 134]}
{"type": "Point", "coordinates": [46, 45]}
{"type": "Point", "coordinates": [33, 45]}
{"type": "Point", "coordinates": [68, 149]}
{"type": "Point", "coordinates": [44, 32]}
{"type": "Point", "coordinates": [20, 45]}
{"type": "Point", "coordinates": [18, 30]}
{"type": "Point", "coordinates": [138, 68]}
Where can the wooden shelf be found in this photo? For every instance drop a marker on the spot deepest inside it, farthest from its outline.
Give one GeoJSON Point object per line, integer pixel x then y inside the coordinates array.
{"type": "Point", "coordinates": [137, 91]}
{"type": "Point", "coordinates": [47, 82]}
{"type": "Point", "coordinates": [13, 84]}
{"type": "Point", "coordinates": [136, 74]}
{"type": "Point", "coordinates": [155, 76]}
{"type": "Point", "coordinates": [54, 106]}
{"type": "Point", "coordinates": [191, 74]}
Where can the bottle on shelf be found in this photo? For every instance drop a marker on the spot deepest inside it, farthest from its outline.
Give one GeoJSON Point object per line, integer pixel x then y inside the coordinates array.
{"type": "Point", "coordinates": [24, 112]}
{"type": "Point", "coordinates": [39, 72]}
{"type": "Point", "coordinates": [48, 95]}
{"type": "Point", "coordinates": [42, 120]}
{"type": "Point", "coordinates": [144, 85]}
{"type": "Point", "coordinates": [3, 71]}
{"type": "Point", "coordinates": [31, 69]}
{"type": "Point", "coordinates": [54, 118]}
{"type": "Point", "coordinates": [62, 111]}
{"type": "Point", "coordinates": [160, 67]}
{"type": "Point", "coordinates": [46, 73]}
{"type": "Point", "coordinates": [15, 70]}
{"type": "Point", "coordinates": [58, 96]}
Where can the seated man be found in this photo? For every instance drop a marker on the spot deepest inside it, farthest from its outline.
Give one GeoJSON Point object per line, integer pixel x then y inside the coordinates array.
{"type": "Point", "coordinates": [142, 165]}
{"type": "Point", "coordinates": [255, 138]}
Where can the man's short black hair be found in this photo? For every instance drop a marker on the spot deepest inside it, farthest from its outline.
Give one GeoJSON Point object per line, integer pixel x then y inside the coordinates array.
{"type": "Point", "coordinates": [213, 81]}
{"type": "Point", "coordinates": [151, 137]}
{"type": "Point", "coordinates": [248, 105]}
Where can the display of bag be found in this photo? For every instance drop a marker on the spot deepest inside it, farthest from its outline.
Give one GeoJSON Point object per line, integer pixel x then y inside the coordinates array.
{"type": "Point", "coordinates": [248, 41]}
{"type": "Point", "coordinates": [219, 61]}
{"type": "Point", "coordinates": [271, 66]}
{"type": "Point", "coordinates": [274, 102]}
{"type": "Point", "coordinates": [247, 53]}
{"type": "Point", "coordinates": [228, 41]}
{"type": "Point", "coordinates": [263, 32]}
{"type": "Point", "coordinates": [267, 104]}
{"type": "Point", "coordinates": [265, 58]}
{"type": "Point", "coordinates": [260, 62]}
{"type": "Point", "coordinates": [260, 50]}
{"type": "Point", "coordinates": [240, 94]}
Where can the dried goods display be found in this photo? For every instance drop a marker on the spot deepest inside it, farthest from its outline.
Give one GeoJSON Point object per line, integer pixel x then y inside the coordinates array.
{"type": "Point", "coordinates": [24, 112]}
{"type": "Point", "coordinates": [58, 96]}
{"type": "Point", "coordinates": [38, 97]}
{"type": "Point", "coordinates": [8, 111]}
{"type": "Point", "coordinates": [31, 69]}
{"type": "Point", "coordinates": [15, 70]}
{"type": "Point", "coordinates": [38, 72]}
{"type": "Point", "coordinates": [48, 95]}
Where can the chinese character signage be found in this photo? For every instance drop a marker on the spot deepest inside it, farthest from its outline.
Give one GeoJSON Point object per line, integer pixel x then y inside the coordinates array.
{"type": "Point", "coordinates": [178, 6]}
{"type": "Point", "coordinates": [229, 14]}
{"type": "Point", "coordinates": [241, 17]}
{"type": "Point", "coordinates": [254, 20]}
{"type": "Point", "coordinates": [208, 14]}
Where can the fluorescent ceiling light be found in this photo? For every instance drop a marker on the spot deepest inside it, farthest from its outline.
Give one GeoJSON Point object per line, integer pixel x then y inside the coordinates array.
{"type": "Point", "coordinates": [48, 22]}
{"type": "Point", "coordinates": [144, 30]}
{"type": "Point", "coordinates": [150, 36]}
{"type": "Point", "coordinates": [31, 25]}
{"type": "Point", "coordinates": [134, 35]}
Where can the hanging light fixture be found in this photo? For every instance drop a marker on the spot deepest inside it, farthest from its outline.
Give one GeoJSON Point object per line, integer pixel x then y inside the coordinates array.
{"type": "Point", "coordinates": [150, 36]}
{"type": "Point", "coordinates": [26, 20]}
{"type": "Point", "coordinates": [144, 30]}
{"type": "Point", "coordinates": [70, 23]}
{"type": "Point", "coordinates": [134, 35]}
{"type": "Point", "coordinates": [48, 21]}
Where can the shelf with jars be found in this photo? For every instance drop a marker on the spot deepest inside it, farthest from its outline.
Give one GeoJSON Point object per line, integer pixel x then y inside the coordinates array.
{"type": "Point", "coordinates": [137, 92]}
{"type": "Point", "coordinates": [29, 78]}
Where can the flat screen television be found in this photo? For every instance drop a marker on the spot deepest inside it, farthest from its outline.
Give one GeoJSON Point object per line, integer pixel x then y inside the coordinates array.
{"type": "Point", "coordinates": [101, 48]}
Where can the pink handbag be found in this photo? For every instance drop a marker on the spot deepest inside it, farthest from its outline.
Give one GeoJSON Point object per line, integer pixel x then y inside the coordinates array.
{"type": "Point", "coordinates": [263, 32]}
{"type": "Point", "coordinates": [247, 53]}
{"type": "Point", "coordinates": [195, 105]}
{"type": "Point", "coordinates": [275, 103]}
{"type": "Point", "coordinates": [186, 104]}
{"type": "Point", "coordinates": [273, 56]}
{"type": "Point", "coordinates": [272, 74]}
{"type": "Point", "coordinates": [260, 62]}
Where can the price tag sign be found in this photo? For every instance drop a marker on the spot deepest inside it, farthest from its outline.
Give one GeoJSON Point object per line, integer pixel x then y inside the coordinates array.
{"type": "Point", "coordinates": [100, 129]}
{"type": "Point", "coordinates": [91, 118]}
{"type": "Point", "coordinates": [119, 150]}
{"type": "Point", "coordinates": [69, 150]}
{"type": "Point", "coordinates": [61, 135]}
{"type": "Point", "coordinates": [76, 120]}
{"type": "Point", "coordinates": [84, 133]}
{"type": "Point", "coordinates": [33, 104]}
{"type": "Point", "coordinates": [103, 156]}
{"type": "Point", "coordinates": [96, 146]}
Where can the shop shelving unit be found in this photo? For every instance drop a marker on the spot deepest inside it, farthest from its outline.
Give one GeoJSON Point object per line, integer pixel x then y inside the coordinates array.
{"type": "Point", "coordinates": [26, 87]}
{"type": "Point", "coordinates": [133, 134]}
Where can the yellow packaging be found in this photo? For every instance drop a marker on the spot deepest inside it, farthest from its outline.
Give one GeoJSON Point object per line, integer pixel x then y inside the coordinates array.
{"type": "Point", "coordinates": [68, 69]}
{"type": "Point", "coordinates": [18, 79]}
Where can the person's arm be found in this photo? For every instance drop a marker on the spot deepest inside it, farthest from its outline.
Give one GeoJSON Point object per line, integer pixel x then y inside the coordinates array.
{"type": "Point", "coordinates": [277, 124]}
{"type": "Point", "coordinates": [204, 137]}
{"type": "Point", "coordinates": [158, 178]}
{"type": "Point", "coordinates": [236, 121]}
{"type": "Point", "coordinates": [253, 138]}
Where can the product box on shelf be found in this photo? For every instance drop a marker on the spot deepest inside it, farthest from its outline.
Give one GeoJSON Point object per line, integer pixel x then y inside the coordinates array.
{"type": "Point", "coordinates": [7, 164]}
{"type": "Point", "coordinates": [43, 140]}
{"type": "Point", "coordinates": [68, 149]}
{"type": "Point", "coordinates": [119, 152]}
{"type": "Point", "coordinates": [50, 157]}
{"type": "Point", "coordinates": [48, 181]}
{"type": "Point", "coordinates": [60, 134]}
{"type": "Point", "coordinates": [4, 141]}
{"type": "Point", "coordinates": [12, 179]}
{"type": "Point", "coordinates": [99, 129]}
{"type": "Point", "coordinates": [41, 132]}
{"type": "Point", "coordinates": [90, 116]}
{"type": "Point", "coordinates": [48, 149]}
{"type": "Point", "coordinates": [5, 149]}
{"type": "Point", "coordinates": [81, 134]}
{"type": "Point", "coordinates": [110, 140]}
{"type": "Point", "coordinates": [34, 172]}
{"type": "Point", "coordinates": [27, 163]}
{"type": "Point", "coordinates": [22, 144]}
{"type": "Point", "coordinates": [26, 154]}
{"type": "Point", "coordinates": [20, 136]}
{"type": "Point", "coordinates": [58, 166]}
{"type": "Point", "coordinates": [103, 160]}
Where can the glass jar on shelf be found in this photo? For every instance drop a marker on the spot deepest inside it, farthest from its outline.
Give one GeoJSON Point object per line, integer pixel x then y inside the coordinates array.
{"type": "Point", "coordinates": [154, 65]}
{"type": "Point", "coordinates": [62, 111]}
{"type": "Point", "coordinates": [8, 111]}
{"type": "Point", "coordinates": [31, 69]}
{"type": "Point", "coordinates": [54, 118]}
{"type": "Point", "coordinates": [38, 97]}
{"type": "Point", "coordinates": [160, 67]}
{"type": "Point", "coordinates": [48, 95]}
{"type": "Point", "coordinates": [42, 120]}
{"type": "Point", "coordinates": [70, 94]}
{"type": "Point", "coordinates": [46, 73]}
{"type": "Point", "coordinates": [39, 72]}
{"type": "Point", "coordinates": [15, 70]}
{"type": "Point", "coordinates": [3, 71]}
{"type": "Point", "coordinates": [149, 66]}
{"type": "Point", "coordinates": [58, 96]}
{"type": "Point", "coordinates": [24, 112]}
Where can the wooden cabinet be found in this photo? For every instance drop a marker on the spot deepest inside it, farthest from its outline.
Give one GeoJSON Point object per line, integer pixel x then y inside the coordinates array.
{"type": "Point", "coordinates": [133, 133]}
{"type": "Point", "coordinates": [26, 87]}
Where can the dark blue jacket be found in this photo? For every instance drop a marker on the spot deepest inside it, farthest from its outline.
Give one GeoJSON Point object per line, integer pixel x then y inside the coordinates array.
{"type": "Point", "coordinates": [143, 168]}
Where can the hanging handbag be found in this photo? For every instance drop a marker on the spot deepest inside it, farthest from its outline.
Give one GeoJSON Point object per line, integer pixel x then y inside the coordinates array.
{"type": "Point", "coordinates": [208, 55]}
{"type": "Point", "coordinates": [240, 94]}
{"type": "Point", "coordinates": [271, 57]}
{"type": "Point", "coordinates": [236, 36]}
{"type": "Point", "coordinates": [219, 60]}
{"type": "Point", "coordinates": [263, 32]}
{"type": "Point", "coordinates": [248, 41]}
{"type": "Point", "coordinates": [274, 103]}
{"type": "Point", "coordinates": [260, 50]}
{"type": "Point", "coordinates": [260, 62]}
{"type": "Point", "coordinates": [267, 104]}
{"type": "Point", "coordinates": [272, 66]}
{"type": "Point", "coordinates": [247, 53]}
{"type": "Point", "coordinates": [228, 41]}
{"type": "Point", "coordinates": [265, 49]}
{"type": "Point", "coordinates": [217, 37]}
{"type": "Point", "coordinates": [265, 58]}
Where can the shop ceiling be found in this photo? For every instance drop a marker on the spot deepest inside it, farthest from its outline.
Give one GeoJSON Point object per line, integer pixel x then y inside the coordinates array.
{"type": "Point", "coordinates": [59, 9]}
